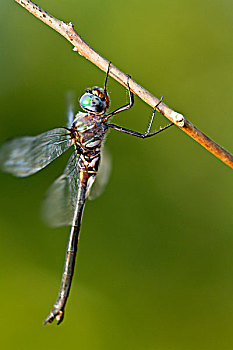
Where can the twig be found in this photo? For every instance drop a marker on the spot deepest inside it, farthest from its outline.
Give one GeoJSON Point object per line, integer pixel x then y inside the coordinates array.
{"type": "Point", "coordinates": [67, 30]}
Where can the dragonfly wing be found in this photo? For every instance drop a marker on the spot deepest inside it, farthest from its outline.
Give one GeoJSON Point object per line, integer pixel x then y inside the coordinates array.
{"type": "Point", "coordinates": [70, 108]}
{"type": "Point", "coordinates": [103, 175]}
{"type": "Point", "coordinates": [60, 202]}
{"type": "Point", "coordinates": [24, 156]}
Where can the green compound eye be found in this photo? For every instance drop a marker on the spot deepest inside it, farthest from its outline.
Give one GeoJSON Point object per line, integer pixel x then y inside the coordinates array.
{"type": "Point", "coordinates": [85, 101]}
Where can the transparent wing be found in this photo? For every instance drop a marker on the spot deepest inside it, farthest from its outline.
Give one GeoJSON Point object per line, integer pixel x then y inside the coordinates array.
{"type": "Point", "coordinates": [59, 204]}
{"type": "Point", "coordinates": [24, 156]}
{"type": "Point", "coordinates": [70, 108]}
{"type": "Point", "coordinates": [103, 174]}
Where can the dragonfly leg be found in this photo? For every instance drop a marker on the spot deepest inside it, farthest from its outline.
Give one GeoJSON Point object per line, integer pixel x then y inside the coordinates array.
{"type": "Point", "coordinates": [106, 79]}
{"type": "Point", "coordinates": [123, 108]}
{"type": "Point", "coordinates": [135, 133]}
{"type": "Point", "coordinates": [138, 134]}
{"type": "Point", "coordinates": [152, 117]}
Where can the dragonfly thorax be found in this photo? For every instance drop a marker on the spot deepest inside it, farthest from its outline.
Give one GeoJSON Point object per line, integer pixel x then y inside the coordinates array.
{"type": "Point", "coordinates": [95, 100]}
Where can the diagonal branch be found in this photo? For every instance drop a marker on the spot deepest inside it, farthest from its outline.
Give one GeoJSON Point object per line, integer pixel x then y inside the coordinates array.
{"type": "Point", "coordinates": [67, 30]}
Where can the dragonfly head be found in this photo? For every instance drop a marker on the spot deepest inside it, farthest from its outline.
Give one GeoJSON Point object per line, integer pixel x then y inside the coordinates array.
{"type": "Point", "coordinates": [95, 100]}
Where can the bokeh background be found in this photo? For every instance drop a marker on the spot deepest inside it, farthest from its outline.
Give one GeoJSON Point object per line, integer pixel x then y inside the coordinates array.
{"type": "Point", "coordinates": [155, 262]}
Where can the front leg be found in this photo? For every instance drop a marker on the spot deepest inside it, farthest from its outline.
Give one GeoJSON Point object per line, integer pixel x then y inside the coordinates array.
{"type": "Point", "coordinates": [123, 108]}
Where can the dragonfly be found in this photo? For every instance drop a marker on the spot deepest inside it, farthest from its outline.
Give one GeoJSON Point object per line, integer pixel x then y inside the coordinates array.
{"type": "Point", "coordinates": [85, 132]}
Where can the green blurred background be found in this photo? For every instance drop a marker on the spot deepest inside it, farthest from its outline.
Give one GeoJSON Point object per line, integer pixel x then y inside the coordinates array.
{"type": "Point", "coordinates": [155, 264]}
